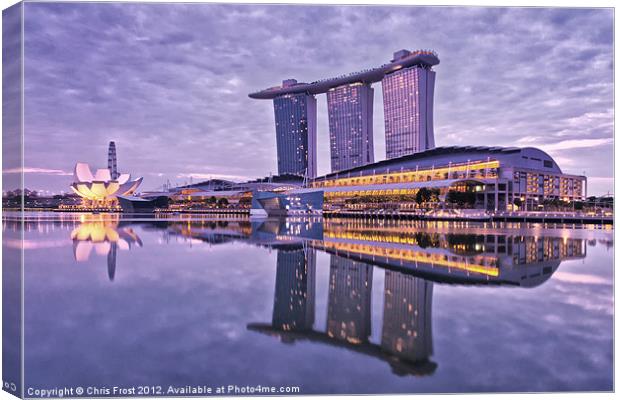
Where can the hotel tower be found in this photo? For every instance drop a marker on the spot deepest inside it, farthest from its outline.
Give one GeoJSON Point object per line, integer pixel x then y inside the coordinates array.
{"type": "Point", "coordinates": [349, 109]}
{"type": "Point", "coordinates": [408, 109]}
{"type": "Point", "coordinates": [408, 85]}
{"type": "Point", "coordinates": [295, 116]}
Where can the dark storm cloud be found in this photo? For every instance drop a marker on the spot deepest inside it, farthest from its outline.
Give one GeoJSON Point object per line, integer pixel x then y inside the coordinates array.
{"type": "Point", "coordinates": [169, 82]}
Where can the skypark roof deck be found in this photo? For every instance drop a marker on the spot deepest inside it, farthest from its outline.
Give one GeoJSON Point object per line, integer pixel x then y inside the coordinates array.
{"type": "Point", "coordinates": [402, 59]}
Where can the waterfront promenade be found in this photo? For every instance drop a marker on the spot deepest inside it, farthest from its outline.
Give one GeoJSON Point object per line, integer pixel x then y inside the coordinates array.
{"type": "Point", "coordinates": [478, 215]}
{"type": "Point", "coordinates": [603, 218]}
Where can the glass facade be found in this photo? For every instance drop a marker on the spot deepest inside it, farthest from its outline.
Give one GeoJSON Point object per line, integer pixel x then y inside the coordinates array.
{"type": "Point", "coordinates": [496, 185]}
{"type": "Point", "coordinates": [408, 111]}
{"type": "Point", "coordinates": [476, 169]}
{"type": "Point", "coordinates": [295, 116]}
{"type": "Point", "coordinates": [533, 183]}
{"type": "Point", "coordinates": [350, 126]}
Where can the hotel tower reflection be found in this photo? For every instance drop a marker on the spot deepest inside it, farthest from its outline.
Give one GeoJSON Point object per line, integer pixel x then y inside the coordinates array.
{"type": "Point", "coordinates": [407, 317]}
{"type": "Point", "coordinates": [413, 260]}
{"type": "Point", "coordinates": [293, 305]}
{"type": "Point", "coordinates": [348, 310]}
{"type": "Point", "coordinates": [406, 343]}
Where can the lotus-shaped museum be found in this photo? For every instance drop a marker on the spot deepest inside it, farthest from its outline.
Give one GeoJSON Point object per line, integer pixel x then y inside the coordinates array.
{"type": "Point", "coordinates": [100, 188]}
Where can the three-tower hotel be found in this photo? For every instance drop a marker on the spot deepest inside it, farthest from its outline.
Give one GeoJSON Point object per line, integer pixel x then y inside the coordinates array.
{"type": "Point", "coordinates": [502, 178]}
{"type": "Point", "coordinates": [408, 83]}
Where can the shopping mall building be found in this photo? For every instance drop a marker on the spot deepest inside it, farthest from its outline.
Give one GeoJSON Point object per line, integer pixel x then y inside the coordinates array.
{"type": "Point", "coordinates": [501, 178]}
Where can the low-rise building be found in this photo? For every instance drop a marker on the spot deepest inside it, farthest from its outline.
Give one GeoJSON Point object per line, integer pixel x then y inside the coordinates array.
{"type": "Point", "coordinates": [499, 178]}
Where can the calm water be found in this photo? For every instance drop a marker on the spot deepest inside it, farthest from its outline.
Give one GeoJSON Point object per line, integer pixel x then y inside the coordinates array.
{"type": "Point", "coordinates": [330, 306]}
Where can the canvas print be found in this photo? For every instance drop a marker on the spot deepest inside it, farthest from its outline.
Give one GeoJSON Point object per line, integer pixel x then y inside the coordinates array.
{"type": "Point", "coordinates": [204, 199]}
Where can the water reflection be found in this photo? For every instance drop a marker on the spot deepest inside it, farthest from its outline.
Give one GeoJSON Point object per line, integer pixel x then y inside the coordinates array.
{"type": "Point", "coordinates": [473, 256]}
{"type": "Point", "coordinates": [105, 237]}
{"type": "Point", "coordinates": [350, 290]}
{"type": "Point", "coordinates": [468, 258]}
{"type": "Point", "coordinates": [413, 260]}
{"type": "Point", "coordinates": [406, 342]}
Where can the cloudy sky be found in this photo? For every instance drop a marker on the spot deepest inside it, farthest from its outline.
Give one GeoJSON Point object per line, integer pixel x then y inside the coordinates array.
{"type": "Point", "coordinates": [169, 82]}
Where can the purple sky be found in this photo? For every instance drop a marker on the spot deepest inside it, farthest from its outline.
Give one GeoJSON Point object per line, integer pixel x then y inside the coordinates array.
{"type": "Point", "coordinates": [169, 82]}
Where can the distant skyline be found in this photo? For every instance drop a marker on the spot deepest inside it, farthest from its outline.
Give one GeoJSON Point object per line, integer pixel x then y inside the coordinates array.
{"type": "Point", "coordinates": [169, 83]}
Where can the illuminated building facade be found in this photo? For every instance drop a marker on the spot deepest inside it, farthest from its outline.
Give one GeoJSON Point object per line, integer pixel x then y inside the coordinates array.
{"type": "Point", "coordinates": [348, 310]}
{"type": "Point", "coordinates": [295, 116]}
{"type": "Point", "coordinates": [100, 190]}
{"type": "Point", "coordinates": [349, 109]}
{"type": "Point", "coordinates": [501, 178]}
{"type": "Point", "coordinates": [492, 178]}
{"type": "Point", "coordinates": [408, 109]}
{"type": "Point", "coordinates": [293, 306]}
